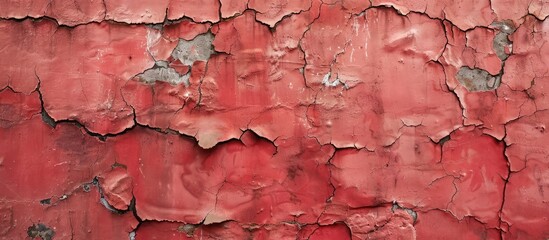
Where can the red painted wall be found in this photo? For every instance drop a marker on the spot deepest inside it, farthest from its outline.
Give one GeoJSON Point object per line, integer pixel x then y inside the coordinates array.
{"type": "Point", "coordinates": [282, 119]}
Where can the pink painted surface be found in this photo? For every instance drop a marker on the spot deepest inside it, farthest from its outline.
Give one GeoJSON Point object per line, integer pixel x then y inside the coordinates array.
{"type": "Point", "coordinates": [340, 119]}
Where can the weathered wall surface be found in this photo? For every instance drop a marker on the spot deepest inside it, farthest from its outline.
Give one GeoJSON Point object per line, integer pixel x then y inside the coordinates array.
{"type": "Point", "coordinates": [308, 119]}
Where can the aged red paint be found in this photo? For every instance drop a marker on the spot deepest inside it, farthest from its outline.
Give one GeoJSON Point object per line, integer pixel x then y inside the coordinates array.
{"type": "Point", "coordinates": [338, 119]}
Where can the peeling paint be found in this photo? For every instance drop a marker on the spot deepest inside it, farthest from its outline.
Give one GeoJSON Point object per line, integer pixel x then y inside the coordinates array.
{"type": "Point", "coordinates": [207, 119]}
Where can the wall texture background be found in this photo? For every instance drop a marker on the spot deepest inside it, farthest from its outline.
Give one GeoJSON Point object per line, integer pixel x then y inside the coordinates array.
{"type": "Point", "coordinates": [280, 119]}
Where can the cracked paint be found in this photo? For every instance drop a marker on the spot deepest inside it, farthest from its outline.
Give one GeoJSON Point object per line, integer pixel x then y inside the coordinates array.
{"type": "Point", "coordinates": [333, 119]}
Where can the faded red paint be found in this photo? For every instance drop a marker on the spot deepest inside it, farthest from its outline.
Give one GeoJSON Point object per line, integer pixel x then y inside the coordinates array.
{"type": "Point", "coordinates": [300, 120]}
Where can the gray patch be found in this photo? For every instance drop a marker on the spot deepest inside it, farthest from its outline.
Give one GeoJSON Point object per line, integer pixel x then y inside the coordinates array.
{"type": "Point", "coordinates": [40, 231]}
{"type": "Point", "coordinates": [500, 42]}
{"type": "Point", "coordinates": [163, 64]}
{"type": "Point", "coordinates": [187, 52]}
{"type": "Point", "coordinates": [198, 49]}
{"type": "Point", "coordinates": [505, 26]}
{"type": "Point", "coordinates": [326, 80]}
{"type": "Point", "coordinates": [163, 74]}
{"type": "Point", "coordinates": [188, 229]}
{"type": "Point", "coordinates": [477, 80]}
{"type": "Point", "coordinates": [157, 26]}
{"type": "Point", "coordinates": [410, 212]}
{"type": "Point", "coordinates": [132, 235]}
{"type": "Point", "coordinates": [336, 82]}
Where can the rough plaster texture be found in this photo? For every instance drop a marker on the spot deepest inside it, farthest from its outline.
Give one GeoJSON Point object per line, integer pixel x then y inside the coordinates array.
{"type": "Point", "coordinates": [274, 119]}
